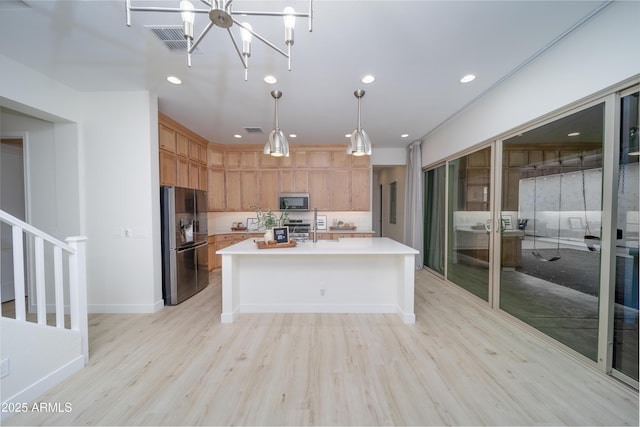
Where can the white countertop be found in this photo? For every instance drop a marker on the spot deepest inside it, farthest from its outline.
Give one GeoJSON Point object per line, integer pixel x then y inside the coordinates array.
{"type": "Point", "coordinates": [217, 232]}
{"type": "Point", "coordinates": [346, 246]}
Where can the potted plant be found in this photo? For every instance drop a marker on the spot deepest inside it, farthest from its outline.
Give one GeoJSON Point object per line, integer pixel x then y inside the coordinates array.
{"type": "Point", "coordinates": [267, 220]}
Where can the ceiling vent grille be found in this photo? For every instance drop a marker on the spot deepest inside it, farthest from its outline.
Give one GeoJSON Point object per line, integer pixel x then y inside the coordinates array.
{"type": "Point", "coordinates": [172, 36]}
{"type": "Point", "coordinates": [253, 129]}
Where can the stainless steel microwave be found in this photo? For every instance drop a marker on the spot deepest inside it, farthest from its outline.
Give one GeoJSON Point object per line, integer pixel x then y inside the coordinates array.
{"type": "Point", "coordinates": [294, 201]}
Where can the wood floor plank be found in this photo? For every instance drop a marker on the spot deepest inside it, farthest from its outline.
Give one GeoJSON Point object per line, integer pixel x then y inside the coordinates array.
{"type": "Point", "coordinates": [460, 364]}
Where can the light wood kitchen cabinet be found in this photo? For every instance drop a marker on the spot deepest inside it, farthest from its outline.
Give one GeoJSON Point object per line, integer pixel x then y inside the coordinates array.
{"type": "Point", "coordinates": [233, 190]}
{"type": "Point", "coordinates": [215, 157]}
{"type": "Point", "coordinates": [268, 189]}
{"type": "Point", "coordinates": [319, 159]}
{"type": "Point", "coordinates": [222, 241]}
{"type": "Point", "coordinates": [249, 189]}
{"type": "Point", "coordinates": [216, 190]}
{"type": "Point", "coordinates": [194, 174]}
{"type": "Point", "coordinates": [293, 181]}
{"type": "Point", "coordinates": [183, 171]}
{"type": "Point", "coordinates": [332, 235]}
{"type": "Point", "coordinates": [194, 151]}
{"type": "Point", "coordinates": [340, 159]}
{"type": "Point", "coordinates": [319, 190]}
{"type": "Point", "coordinates": [360, 161]}
{"type": "Point", "coordinates": [182, 145]}
{"type": "Point", "coordinates": [203, 182]}
{"type": "Point", "coordinates": [168, 169]}
{"type": "Point", "coordinates": [211, 252]}
{"type": "Point", "coordinates": [340, 190]}
{"type": "Point", "coordinates": [360, 189]}
{"type": "Point", "coordinates": [241, 190]}
{"type": "Point", "coordinates": [167, 139]}
{"type": "Point", "coordinates": [233, 159]}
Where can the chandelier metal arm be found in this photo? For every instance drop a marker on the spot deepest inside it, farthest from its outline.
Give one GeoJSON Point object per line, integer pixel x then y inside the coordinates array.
{"type": "Point", "coordinates": [200, 37]}
{"type": "Point", "coordinates": [262, 39]}
{"type": "Point", "coordinates": [235, 44]}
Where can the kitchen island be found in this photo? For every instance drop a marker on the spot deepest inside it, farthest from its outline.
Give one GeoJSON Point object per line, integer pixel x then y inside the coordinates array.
{"type": "Point", "coordinates": [351, 275]}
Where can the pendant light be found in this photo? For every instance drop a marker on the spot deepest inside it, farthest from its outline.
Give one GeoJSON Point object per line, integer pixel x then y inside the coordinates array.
{"type": "Point", "coordinates": [277, 144]}
{"type": "Point", "coordinates": [360, 142]}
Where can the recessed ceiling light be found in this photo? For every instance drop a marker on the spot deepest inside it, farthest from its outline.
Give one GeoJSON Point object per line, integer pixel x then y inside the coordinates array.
{"type": "Point", "coordinates": [404, 135]}
{"type": "Point", "coordinates": [237, 136]}
{"type": "Point", "coordinates": [468, 78]}
{"type": "Point", "coordinates": [270, 79]}
{"type": "Point", "coordinates": [369, 78]}
{"type": "Point", "coordinates": [292, 135]}
{"type": "Point", "coordinates": [573, 134]}
{"type": "Point", "coordinates": [174, 80]}
{"type": "Point", "coordinates": [347, 135]}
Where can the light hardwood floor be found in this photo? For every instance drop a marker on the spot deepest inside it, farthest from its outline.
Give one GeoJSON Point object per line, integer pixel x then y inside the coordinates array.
{"type": "Point", "coordinates": [460, 364]}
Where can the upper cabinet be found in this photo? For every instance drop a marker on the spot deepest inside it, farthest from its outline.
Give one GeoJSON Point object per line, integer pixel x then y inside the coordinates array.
{"type": "Point", "coordinates": [238, 176]}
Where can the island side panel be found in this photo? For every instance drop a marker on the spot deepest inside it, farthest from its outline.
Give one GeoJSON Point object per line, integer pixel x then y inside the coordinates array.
{"type": "Point", "coordinates": [230, 289]}
{"type": "Point", "coordinates": [406, 288]}
{"type": "Point", "coordinates": [319, 283]}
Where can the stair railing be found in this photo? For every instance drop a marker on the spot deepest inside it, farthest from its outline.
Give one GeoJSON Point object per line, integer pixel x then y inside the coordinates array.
{"type": "Point", "coordinates": [75, 248]}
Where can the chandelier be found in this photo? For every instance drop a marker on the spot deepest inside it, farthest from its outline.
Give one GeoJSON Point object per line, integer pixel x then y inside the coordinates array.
{"type": "Point", "coordinates": [221, 14]}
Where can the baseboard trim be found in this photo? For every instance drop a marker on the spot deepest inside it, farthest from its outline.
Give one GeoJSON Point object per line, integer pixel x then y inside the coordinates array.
{"type": "Point", "coordinates": [40, 387]}
{"type": "Point", "coordinates": [126, 308]}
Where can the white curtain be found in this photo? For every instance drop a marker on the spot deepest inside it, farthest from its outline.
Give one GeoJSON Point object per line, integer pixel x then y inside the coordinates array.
{"type": "Point", "coordinates": [413, 221]}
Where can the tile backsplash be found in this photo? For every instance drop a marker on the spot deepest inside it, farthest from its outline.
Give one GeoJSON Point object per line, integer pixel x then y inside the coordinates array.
{"type": "Point", "coordinates": [221, 222]}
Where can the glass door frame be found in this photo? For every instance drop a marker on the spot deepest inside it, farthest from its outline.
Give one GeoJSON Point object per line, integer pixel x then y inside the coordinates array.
{"type": "Point", "coordinates": [611, 152]}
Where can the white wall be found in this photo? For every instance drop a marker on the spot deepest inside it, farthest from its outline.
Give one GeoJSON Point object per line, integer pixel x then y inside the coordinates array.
{"type": "Point", "coordinates": [121, 180]}
{"type": "Point", "coordinates": [385, 176]}
{"type": "Point", "coordinates": [599, 54]}
{"type": "Point", "coordinates": [93, 171]}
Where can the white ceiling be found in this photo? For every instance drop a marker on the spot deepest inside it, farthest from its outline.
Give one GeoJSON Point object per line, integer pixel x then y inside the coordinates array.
{"type": "Point", "coordinates": [418, 51]}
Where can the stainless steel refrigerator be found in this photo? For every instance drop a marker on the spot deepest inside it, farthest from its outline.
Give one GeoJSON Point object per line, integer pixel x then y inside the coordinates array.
{"type": "Point", "coordinates": [185, 269]}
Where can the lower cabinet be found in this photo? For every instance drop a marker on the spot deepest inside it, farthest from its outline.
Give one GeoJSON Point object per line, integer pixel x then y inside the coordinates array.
{"type": "Point", "coordinates": [221, 241]}
{"type": "Point", "coordinates": [332, 236]}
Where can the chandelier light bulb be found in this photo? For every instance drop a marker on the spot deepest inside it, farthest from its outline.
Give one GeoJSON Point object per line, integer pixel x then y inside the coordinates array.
{"type": "Point", "coordinates": [289, 18]}
{"type": "Point", "coordinates": [245, 32]}
{"type": "Point", "coordinates": [187, 12]}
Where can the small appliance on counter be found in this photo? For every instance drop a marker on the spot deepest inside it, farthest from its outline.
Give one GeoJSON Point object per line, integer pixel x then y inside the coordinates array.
{"type": "Point", "coordinates": [183, 215]}
{"type": "Point", "coordinates": [298, 229]}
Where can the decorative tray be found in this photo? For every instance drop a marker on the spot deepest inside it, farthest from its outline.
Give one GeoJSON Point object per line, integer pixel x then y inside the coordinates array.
{"type": "Point", "coordinates": [343, 228]}
{"type": "Point", "coordinates": [238, 228]}
{"type": "Point", "coordinates": [263, 245]}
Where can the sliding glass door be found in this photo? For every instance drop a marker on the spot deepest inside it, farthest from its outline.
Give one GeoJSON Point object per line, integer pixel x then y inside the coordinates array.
{"type": "Point", "coordinates": [551, 200]}
{"type": "Point", "coordinates": [625, 313]}
{"type": "Point", "coordinates": [469, 220]}
{"type": "Point", "coordinates": [558, 247]}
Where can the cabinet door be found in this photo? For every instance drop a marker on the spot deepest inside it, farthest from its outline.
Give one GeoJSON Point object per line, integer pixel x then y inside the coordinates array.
{"type": "Point", "coordinates": [203, 155]}
{"type": "Point", "coordinates": [167, 139]}
{"type": "Point", "coordinates": [319, 159]}
{"type": "Point", "coordinates": [204, 179]}
{"type": "Point", "coordinates": [215, 157]}
{"type": "Point", "coordinates": [194, 174]}
{"type": "Point", "coordinates": [233, 186]}
{"type": "Point", "coordinates": [360, 189]}
{"type": "Point", "coordinates": [168, 169]}
{"type": "Point", "coordinates": [183, 172]}
{"type": "Point", "coordinates": [319, 189]}
{"type": "Point", "coordinates": [340, 159]}
{"type": "Point", "coordinates": [233, 159]}
{"type": "Point", "coordinates": [182, 145]}
{"type": "Point", "coordinates": [340, 190]}
{"type": "Point", "coordinates": [249, 189]}
{"type": "Point", "coordinates": [215, 190]}
{"type": "Point", "coordinates": [293, 181]}
{"type": "Point", "coordinates": [268, 189]}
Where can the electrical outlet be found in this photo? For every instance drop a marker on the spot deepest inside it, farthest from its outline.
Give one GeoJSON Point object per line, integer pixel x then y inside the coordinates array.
{"type": "Point", "coordinates": [4, 368]}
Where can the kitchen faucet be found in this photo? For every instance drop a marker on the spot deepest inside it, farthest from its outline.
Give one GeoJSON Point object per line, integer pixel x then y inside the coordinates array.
{"type": "Point", "coordinates": [315, 225]}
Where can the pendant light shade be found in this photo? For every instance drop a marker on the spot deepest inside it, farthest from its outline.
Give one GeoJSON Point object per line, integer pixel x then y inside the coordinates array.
{"type": "Point", "coordinates": [360, 143]}
{"type": "Point", "coordinates": [277, 145]}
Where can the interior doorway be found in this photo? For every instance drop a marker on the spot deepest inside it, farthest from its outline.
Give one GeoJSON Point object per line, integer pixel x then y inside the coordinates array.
{"type": "Point", "coordinates": [12, 200]}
